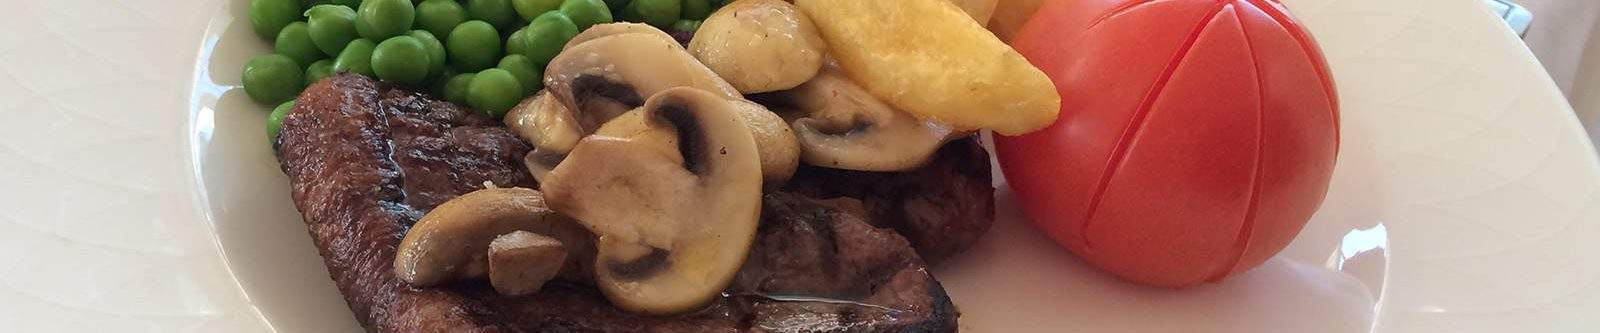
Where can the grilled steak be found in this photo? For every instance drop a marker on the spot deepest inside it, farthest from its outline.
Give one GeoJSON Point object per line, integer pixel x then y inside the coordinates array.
{"type": "Point", "coordinates": [942, 207]}
{"type": "Point", "coordinates": [366, 160]}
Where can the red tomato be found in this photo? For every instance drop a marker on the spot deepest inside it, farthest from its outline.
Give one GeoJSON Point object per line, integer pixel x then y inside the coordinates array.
{"type": "Point", "coordinates": [1196, 137]}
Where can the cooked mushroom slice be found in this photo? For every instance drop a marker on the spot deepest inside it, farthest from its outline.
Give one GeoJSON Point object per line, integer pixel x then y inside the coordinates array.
{"type": "Point", "coordinates": [760, 45]}
{"type": "Point", "coordinates": [618, 28]}
{"type": "Point", "coordinates": [540, 161]}
{"type": "Point", "coordinates": [775, 142]}
{"type": "Point", "coordinates": [602, 78]}
{"type": "Point", "coordinates": [544, 123]}
{"type": "Point", "coordinates": [452, 241]}
{"type": "Point", "coordinates": [521, 262]}
{"type": "Point", "coordinates": [841, 125]}
{"type": "Point", "coordinates": [675, 205]}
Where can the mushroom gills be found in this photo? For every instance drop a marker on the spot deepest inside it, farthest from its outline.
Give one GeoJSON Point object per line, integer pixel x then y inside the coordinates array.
{"type": "Point", "coordinates": [840, 125]}
{"type": "Point", "coordinates": [776, 144]}
{"type": "Point", "coordinates": [608, 75]}
{"type": "Point", "coordinates": [673, 199]}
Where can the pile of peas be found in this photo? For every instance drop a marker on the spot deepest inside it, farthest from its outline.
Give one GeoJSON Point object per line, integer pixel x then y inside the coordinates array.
{"type": "Point", "coordinates": [488, 54]}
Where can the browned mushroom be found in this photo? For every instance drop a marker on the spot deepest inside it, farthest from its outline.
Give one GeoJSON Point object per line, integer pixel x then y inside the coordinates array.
{"type": "Point", "coordinates": [841, 125]}
{"type": "Point", "coordinates": [452, 241]}
{"type": "Point", "coordinates": [760, 45]}
{"type": "Point", "coordinates": [674, 202]}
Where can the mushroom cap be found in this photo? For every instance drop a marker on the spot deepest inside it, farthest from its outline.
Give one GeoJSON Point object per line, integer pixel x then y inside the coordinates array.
{"type": "Point", "coordinates": [544, 123]}
{"type": "Point", "coordinates": [617, 28]}
{"type": "Point", "coordinates": [775, 141]}
{"type": "Point", "coordinates": [760, 45]}
{"type": "Point", "coordinates": [841, 125]}
{"type": "Point", "coordinates": [452, 241]}
{"type": "Point", "coordinates": [601, 78]}
{"type": "Point", "coordinates": [674, 205]}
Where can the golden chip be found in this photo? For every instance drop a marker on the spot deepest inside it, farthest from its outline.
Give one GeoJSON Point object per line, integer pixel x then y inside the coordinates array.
{"type": "Point", "coordinates": [927, 57]}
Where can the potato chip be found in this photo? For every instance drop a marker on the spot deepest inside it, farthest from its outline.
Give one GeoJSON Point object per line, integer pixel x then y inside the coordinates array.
{"type": "Point", "coordinates": [980, 10]}
{"type": "Point", "coordinates": [927, 57]}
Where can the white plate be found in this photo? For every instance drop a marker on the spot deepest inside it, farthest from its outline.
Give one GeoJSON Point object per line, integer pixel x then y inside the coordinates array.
{"type": "Point", "coordinates": [138, 193]}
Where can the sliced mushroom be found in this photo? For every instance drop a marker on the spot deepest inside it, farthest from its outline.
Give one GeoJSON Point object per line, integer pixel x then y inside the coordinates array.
{"type": "Point", "coordinates": [618, 28]}
{"type": "Point", "coordinates": [544, 123]}
{"type": "Point", "coordinates": [601, 78]}
{"type": "Point", "coordinates": [521, 262]}
{"type": "Point", "coordinates": [775, 142]}
{"type": "Point", "coordinates": [674, 205]}
{"type": "Point", "coordinates": [760, 45]}
{"type": "Point", "coordinates": [540, 161]}
{"type": "Point", "coordinates": [452, 241]}
{"type": "Point", "coordinates": [841, 125]}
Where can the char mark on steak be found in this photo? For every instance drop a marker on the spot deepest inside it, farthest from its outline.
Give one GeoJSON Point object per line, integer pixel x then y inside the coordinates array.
{"type": "Point", "coordinates": [366, 159]}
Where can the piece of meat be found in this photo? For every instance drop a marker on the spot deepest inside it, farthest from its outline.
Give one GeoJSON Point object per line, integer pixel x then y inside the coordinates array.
{"type": "Point", "coordinates": [366, 160]}
{"type": "Point", "coordinates": [813, 268]}
{"type": "Point", "coordinates": [811, 248]}
{"type": "Point", "coordinates": [942, 207]}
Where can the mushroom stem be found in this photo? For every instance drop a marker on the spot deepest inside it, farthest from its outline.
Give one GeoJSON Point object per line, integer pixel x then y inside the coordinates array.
{"type": "Point", "coordinates": [521, 262]}
{"type": "Point", "coordinates": [674, 199]}
{"type": "Point", "coordinates": [452, 241]}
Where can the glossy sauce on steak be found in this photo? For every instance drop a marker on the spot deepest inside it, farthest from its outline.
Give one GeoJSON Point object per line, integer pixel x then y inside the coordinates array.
{"type": "Point", "coordinates": [366, 160]}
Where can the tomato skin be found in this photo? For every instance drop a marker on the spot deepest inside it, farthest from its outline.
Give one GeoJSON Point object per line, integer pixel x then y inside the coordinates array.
{"type": "Point", "coordinates": [1195, 140]}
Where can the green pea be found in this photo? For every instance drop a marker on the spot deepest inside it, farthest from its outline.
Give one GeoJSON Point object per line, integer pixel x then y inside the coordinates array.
{"type": "Point", "coordinates": [270, 16]}
{"type": "Point", "coordinates": [530, 9]}
{"type": "Point", "coordinates": [400, 59]}
{"type": "Point", "coordinates": [347, 3]}
{"type": "Point", "coordinates": [436, 54]}
{"type": "Point", "coordinates": [294, 42]}
{"type": "Point", "coordinates": [547, 35]}
{"type": "Point", "coordinates": [494, 91]}
{"type": "Point", "coordinates": [586, 13]}
{"type": "Point", "coordinates": [455, 89]}
{"type": "Point", "coordinates": [440, 16]}
{"type": "Point", "coordinates": [275, 120]}
{"type": "Point", "coordinates": [356, 58]}
{"type": "Point", "coordinates": [658, 13]}
{"type": "Point", "coordinates": [331, 27]}
{"type": "Point", "coordinates": [473, 46]}
{"type": "Point", "coordinates": [318, 71]}
{"type": "Point", "coordinates": [516, 42]}
{"type": "Point", "coordinates": [380, 19]}
{"type": "Point", "coordinates": [528, 75]}
{"type": "Point", "coordinates": [689, 26]}
{"type": "Point", "coordinates": [273, 78]}
{"type": "Point", "coordinates": [497, 12]}
{"type": "Point", "coordinates": [696, 9]}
